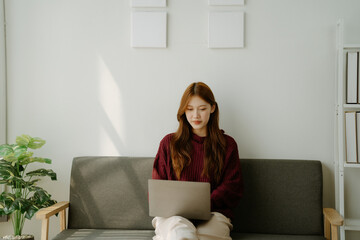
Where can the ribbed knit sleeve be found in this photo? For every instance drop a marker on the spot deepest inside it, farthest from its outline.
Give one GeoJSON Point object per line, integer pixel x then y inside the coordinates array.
{"type": "Point", "coordinates": [161, 168]}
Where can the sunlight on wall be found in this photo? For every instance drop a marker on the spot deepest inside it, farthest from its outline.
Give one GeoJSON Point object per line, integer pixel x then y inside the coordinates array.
{"type": "Point", "coordinates": [112, 132]}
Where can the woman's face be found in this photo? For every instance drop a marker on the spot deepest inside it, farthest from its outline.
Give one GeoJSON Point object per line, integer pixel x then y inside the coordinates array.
{"type": "Point", "coordinates": [198, 114]}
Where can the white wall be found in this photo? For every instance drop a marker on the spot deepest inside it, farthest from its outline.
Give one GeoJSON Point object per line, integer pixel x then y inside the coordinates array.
{"type": "Point", "coordinates": [2, 86]}
{"type": "Point", "coordinates": [2, 77]}
{"type": "Point", "coordinates": [74, 80]}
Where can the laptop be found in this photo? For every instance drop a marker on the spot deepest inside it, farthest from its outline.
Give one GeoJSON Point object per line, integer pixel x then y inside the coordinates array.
{"type": "Point", "coordinates": [179, 198]}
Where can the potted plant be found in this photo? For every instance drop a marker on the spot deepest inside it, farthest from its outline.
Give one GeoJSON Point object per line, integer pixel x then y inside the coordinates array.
{"type": "Point", "coordinates": [23, 197]}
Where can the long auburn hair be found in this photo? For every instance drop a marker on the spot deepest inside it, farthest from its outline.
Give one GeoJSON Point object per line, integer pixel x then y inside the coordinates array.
{"type": "Point", "coordinates": [214, 144]}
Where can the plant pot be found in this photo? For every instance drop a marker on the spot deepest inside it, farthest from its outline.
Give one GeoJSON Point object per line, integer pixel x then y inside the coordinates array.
{"type": "Point", "coordinates": [22, 237]}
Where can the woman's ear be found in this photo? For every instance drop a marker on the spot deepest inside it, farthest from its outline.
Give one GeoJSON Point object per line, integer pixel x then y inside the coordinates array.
{"type": "Point", "coordinates": [213, 107]}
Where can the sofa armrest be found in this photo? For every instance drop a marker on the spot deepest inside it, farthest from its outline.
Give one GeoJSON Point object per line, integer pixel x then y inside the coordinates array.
{"type": "Point", "coordinates": [333, 221]}
{"type": "Point", "coordinates": [45, 213]}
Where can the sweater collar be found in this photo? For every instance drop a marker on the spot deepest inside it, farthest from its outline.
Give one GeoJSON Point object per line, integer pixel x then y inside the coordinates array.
{"type": "Point", "coordinates": [197, 138]}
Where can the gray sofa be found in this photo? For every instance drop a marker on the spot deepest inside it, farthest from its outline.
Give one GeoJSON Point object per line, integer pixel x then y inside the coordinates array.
{"type": "Point", "coordinates": [108, 200]}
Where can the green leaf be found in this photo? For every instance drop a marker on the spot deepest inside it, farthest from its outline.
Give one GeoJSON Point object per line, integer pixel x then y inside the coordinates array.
{"type": "Point", "coordinates": [21, 204]}
{"type": "Point", "coordinates": [5, 150]}
{"type": "Point", "coordinates": [36, 143]}
{"type": "Point", "coordinates": [31, 183]}
{"type": "Point", "coordinates": [7, 170]}
{"type": "Point", "coordinates": [31, 212]}
{"type": "Point", "coordinates": [6, 202]}
{"type": "Point", "coordinates": [34, 188]}
{"type": "Point", "coordinates": [23, 140]}
{"type": "Point", "coordinates": [36, 207]}
{"type": "Point", "coordinates": [8, 209]}
{"type": "Point", "coordinates": [25, 158]}
{"type": "Point", "coordinates": [5, 196]}
{"type": "Point", "coordinates": [48, 203]}
{"type": "Point", "coordinates": [18, 182]}
{"type": "Point", "coordinates": [41, 197]}
{"type": "Point", "coordinates": [4, 162]}
{"type": "Point", "coordinates": [43, 172]}
{"type": "Point", "coordinates": [11, 158]}
{"type": "Point", "coordinates": [40, 160]}
{"type": "Point", "coordinates": [19, 150]}
{"type": "Point", "coordinates": [2, 212]}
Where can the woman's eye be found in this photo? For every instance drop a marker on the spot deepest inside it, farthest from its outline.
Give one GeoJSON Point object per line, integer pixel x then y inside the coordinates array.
{"type": "Point", "coordinates": [202, 109]}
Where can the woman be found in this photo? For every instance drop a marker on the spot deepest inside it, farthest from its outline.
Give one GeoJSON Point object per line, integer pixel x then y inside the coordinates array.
{"type": "Point", "coordinates": [200, 151]}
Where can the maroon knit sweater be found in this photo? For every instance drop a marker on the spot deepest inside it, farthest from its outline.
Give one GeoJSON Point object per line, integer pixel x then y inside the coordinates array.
{"type": "Point", "coordinates": [225, 195]}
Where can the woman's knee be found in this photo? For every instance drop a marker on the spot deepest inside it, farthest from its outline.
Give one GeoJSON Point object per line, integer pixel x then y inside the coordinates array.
{"type": "Point", "coordinates": [176, 227]}
{"type": "Point", "coordinates": [218, 227]}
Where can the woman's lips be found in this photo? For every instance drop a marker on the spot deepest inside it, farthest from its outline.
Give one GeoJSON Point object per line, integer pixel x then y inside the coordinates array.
{"type": "Point", "coordinates": [196, 122]}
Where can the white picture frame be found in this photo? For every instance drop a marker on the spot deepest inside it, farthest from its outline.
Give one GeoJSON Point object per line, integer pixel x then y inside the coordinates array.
{"type": "Point", "coordinates": [148, 3]}
{"type": "Point", "coordinates": [226, 29]}
{"type": "Point", "coordinates": [226, 2]}
{"type": "Point", "coordinates": [149, 29]}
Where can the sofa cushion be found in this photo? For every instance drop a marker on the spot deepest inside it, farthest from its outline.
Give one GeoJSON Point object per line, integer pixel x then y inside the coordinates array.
{"type": "Point", "coordinates": [104, 234]}
{"type": "Point", "coordinates": [108, 234]}
{"type": "Point", "coordinates": [249, 236]}
{"type": "Point", "coordinates": [280, 197]}
{"type": "Point", "coordinates": [110, 193]}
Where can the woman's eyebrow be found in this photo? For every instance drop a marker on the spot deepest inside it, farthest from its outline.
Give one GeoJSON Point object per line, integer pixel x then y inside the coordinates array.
{"type": "Point", "coordinates": [203, 105]}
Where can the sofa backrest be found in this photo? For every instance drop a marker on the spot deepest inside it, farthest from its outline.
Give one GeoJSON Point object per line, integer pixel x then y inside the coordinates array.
{"type": "Point", "coordinates": [110, 192]}
{"type": "Point", "coordinates": [280, 196]}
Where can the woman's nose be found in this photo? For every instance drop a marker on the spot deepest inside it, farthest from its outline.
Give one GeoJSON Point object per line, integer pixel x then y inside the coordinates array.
{"type": "Point", "coordinates": [196, 112]}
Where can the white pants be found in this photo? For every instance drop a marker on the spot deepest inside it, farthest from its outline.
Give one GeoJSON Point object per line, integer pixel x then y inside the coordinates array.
{"type": "Point", "coordinates": [179, 228]}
